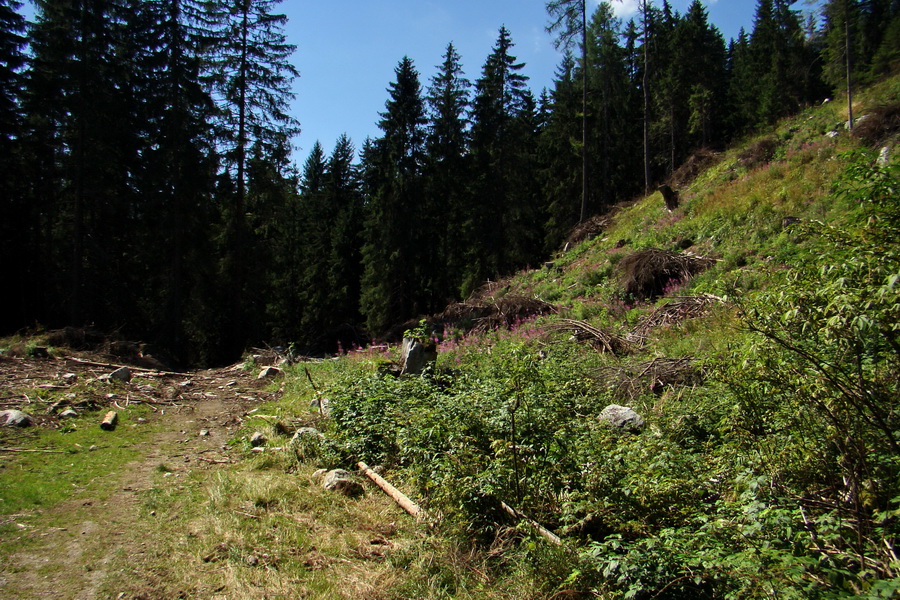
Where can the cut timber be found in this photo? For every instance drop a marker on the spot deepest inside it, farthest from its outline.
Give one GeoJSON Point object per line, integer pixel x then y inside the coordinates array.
{"type": "Point", "coordinates": [542, 531]}
{"type": "Point", "coordinates": [398, 496]}
{"type": "Point", "coordinates": [142, 372]}
{"type": "Point", "coordinates": [37, 451]}
{"type": "Point", "coordinates": [110, 420]}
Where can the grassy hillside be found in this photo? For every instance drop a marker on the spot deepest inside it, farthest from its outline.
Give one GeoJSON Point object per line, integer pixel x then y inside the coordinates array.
{"type": "Point", "coordinates": [755, 331]}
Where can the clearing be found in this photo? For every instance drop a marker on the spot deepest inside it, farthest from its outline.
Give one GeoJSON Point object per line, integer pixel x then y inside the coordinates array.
{"type": "Point", "coordinates": [173, 503]}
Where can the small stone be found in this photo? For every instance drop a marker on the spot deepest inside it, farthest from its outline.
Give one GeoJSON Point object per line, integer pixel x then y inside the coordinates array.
{"type": "Point", "coordinates": [269, 372]}
{"type": "Point", "coordinates": [142, 420]}
{"type": "Point", "coordinates": [257, 439]}
{"type": "Point", "coordinates": [68, 414]}
{"type": "Point", "coordinates": [307, 434]}
{"type": "Point", "coordinates": [342, 482]}
{"type": "Point", "coordinates": [17, 418]}
{"type": "Point", "coordinates": [252, 561]}
{"type": "Point", "coordinates": [204, 433]}
{"type": "Point", "coordinates": [122, 374]}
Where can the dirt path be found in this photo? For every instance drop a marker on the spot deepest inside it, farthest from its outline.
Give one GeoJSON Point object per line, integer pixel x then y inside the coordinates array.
{"type": "Point", "coordinates": [194, 417]}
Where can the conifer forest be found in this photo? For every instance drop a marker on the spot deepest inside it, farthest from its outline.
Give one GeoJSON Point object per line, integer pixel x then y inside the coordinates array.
{"type": "Point", "coordinates": [148, 185]}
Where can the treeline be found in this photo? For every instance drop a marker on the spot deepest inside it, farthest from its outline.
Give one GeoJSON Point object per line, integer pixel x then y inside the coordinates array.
{"type": "Point", "coordinates": [148, 184]}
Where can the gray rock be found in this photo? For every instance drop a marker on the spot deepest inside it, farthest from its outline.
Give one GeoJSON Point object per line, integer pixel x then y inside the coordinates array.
{"type": "Point", "coordinates": [306, 434]}
{"type": "Point", "coordinates": [16, 418]}
{"type": "Point", "coordinates": [621, 417]}
{"type": "Point", "coordinates": [269, 372]}
{"type": "Point", "coordinates": [415, 356]}
{"type": "Point", "coordinates": [68, 414]}
{"type": "Point", "coordinates": [258, 439]}
{"type": "Point", "coordinates": [320, 403]}
{"type": "Point", "coordinates": [122, 374]}
{"type": "Point", "coordinates": [342, 482]}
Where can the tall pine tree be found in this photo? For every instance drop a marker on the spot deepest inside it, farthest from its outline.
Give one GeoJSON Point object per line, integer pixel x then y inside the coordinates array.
{"type": "Point", "coordinates": [447, 167]}
{"type": "Point", "coordinates": [394, 234]}
{"type": "Point", "coordinates": [16, 230]}
{"type": "Point", "coordinates": [500, 99]}
{"type": "Point", "coordinates": [251, 77]}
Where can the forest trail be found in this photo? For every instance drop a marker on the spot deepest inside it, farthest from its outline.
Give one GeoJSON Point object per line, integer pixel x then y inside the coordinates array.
{"type": "Point", "coordinates": [70, 549]}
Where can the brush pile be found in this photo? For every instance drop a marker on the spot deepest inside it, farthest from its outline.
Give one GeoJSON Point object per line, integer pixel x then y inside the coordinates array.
{"type": "Point", "coordinates": [645, 275]}
{"type": "Point", "coordinates": [606, 342]}
{"type": "Point", "coordinates": [673, 312]}
{"type": "Point", "coordinates": [628, 382]}
{"type": "Point", "coordinates": [486, 309]}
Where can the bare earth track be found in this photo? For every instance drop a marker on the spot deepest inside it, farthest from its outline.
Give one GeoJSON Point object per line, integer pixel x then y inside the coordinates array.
{"type": "Point", "coordinates": [94, 531]}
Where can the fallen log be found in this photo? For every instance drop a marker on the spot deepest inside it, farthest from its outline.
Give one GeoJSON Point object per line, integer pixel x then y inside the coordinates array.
{"type": "Point", "coordinates": [398, 496]}
{"type": "Point", "coordinates": [542, 531]}
{"type": "Point", "coordinates": [142, 371]}
{"type": "Point", "coordinates": [36, 451]}
{"type": "Point", "coordinates": [109, 421]}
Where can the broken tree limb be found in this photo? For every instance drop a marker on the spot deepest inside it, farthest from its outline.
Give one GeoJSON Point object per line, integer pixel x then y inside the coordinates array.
{"type": "Point", "coordinates": [398, 496]}
{"type": "Point", "coordinates": [542, 531]}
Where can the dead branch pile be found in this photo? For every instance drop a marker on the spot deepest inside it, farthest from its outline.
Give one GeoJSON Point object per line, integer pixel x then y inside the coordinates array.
{"type": "Point", "coordinates": [628, 382]}
{"type": "Point", "coordinates": [672, 312]}
{"type": "Point", "coordinates": [588, 229]}
{"type": "Point", "coordinates": [603, 341]}
{"type": "Point", "coordinates": [485, 314]}
{"type": "Point", "coordinates": [646, 274]}
{"type": "Point", "coordinates": [759, 153]}
{"type": "Point", "coordinates": [698, 162]}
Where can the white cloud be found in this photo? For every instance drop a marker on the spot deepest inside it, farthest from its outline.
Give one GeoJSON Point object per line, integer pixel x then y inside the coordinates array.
{"type": "Point", "coordinates": [624, 8]}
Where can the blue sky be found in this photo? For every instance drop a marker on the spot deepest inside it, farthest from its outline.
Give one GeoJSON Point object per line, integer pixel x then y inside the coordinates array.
{"type": "Point", "coordinates": [348, 50]}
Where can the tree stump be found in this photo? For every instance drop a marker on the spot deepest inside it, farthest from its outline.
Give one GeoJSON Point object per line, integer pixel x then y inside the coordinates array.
{"type": "Point", "coordinates": [670, 197]}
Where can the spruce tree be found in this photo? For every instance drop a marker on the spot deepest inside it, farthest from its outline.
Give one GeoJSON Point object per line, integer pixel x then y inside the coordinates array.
{"type": "Point", "coordinates": [613, 103]}
{"type": "Point", "coordinates": [698, 63]}
{"type": "Point", "coordinates": [570, 19]}
{"type": "Point", "coordinates": [84, 149]}
{"type": "Point", "coordinates": [780, 61]}
{"type": "Point", "coordinates": [447, 143]}
{"type": "Point", "coordinates": [176, 174]}
{"type": "Point", "coordinates": [345, 236]}
{"type": "Point", "coordinates": [251, 76]}
{"type": "Point", "coordinates": [18, 220]}
{"type": "Point", "coordinates": [394, 235]}
{"type": "Point", "coordinates": [500, 99]}
{"type": "Point", "coordinates": [561, 157]}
